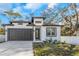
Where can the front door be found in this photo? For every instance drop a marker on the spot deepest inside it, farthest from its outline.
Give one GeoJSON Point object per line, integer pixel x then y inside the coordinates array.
{"type": "Point", "coordinates": [37, 34]}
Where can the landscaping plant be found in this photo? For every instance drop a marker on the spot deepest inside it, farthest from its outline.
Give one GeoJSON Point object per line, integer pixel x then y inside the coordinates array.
{"type": "Point", "coordinates": [55, 48]}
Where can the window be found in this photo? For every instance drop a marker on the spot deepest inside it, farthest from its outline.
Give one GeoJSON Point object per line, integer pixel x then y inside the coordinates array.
{"type": "Point", "coordinates": [37, 21]}
{"type": "Point", "coordinates": [51, 32]}
{"type": "Point", "coordinates": [20, 23]}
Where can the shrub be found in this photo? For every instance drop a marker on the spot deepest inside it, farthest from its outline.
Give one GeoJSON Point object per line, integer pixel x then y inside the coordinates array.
{"type": "Point", "coordinates": [38, 45]}
{"type": "Point", "coordinates": [55, 48]}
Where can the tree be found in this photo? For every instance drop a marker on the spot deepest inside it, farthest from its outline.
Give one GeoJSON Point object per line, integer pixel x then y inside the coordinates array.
{"type": "Point", "coordinates": [74, 6]}
{"type": "Point", "coordinates": [71, 18]}
{"type": "Point", "coordinates": [60, 15]}
{"type": "Point", "coordinates": [12, 15]}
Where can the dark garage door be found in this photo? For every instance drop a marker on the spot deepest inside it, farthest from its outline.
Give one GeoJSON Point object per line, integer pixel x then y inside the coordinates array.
{"type": "Point", "coordinates": [20, 34]}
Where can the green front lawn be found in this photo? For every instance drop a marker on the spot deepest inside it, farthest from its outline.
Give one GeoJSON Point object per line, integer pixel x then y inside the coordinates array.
{"type": "Point", "coordinates": [48, 48]}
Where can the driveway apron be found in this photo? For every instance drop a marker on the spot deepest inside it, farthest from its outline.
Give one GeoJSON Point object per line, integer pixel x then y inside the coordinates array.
{"type": "Point", "coordinates": [16, 48]}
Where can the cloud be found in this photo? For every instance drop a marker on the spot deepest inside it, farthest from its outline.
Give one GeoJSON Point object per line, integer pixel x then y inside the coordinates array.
{"type": "Point", "coordinates": [32, 6]}
{"type": "Point", "coordinates": [20, 10]}
{"type": "Point", "coordinates": [5, 6]}
{"type": "Point", "coordinates": [17, 9]}
{"type": "Point", "coordinates": [51, 5]}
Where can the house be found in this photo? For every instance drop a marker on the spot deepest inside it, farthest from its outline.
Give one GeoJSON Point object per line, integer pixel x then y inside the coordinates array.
{"type": "Point", "coordinates": [36, 30]}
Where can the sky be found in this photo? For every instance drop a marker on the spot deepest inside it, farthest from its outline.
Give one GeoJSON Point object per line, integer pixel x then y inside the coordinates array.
{"type": "Point", "coordinates": [25, 9]}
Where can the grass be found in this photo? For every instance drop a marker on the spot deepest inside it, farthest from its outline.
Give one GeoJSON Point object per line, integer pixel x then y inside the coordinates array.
{"type": "Point", "coordinates": [2, 33]}
{"type": "Point", "coordinates": [48, 48]}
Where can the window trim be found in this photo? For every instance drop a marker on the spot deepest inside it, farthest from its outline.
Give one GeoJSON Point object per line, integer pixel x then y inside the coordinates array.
{"type": "Point", "coordinates": [55, 31]}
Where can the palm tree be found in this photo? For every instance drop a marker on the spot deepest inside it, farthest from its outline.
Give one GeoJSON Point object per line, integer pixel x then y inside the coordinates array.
{"type": "Point", "coordinates": [12, 15]}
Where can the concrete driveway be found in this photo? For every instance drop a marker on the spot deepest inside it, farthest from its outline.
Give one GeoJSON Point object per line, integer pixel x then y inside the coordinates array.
{"type": "Point", "coordinates": [16, 48]}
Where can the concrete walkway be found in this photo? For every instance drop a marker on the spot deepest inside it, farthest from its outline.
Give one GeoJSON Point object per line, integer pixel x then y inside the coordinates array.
{"type": "Point", "coordinates": [16, 48]}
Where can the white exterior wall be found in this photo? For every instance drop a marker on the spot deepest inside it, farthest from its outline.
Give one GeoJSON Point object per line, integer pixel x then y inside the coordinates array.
{"type": "Point", "coordinates": [70, 39]}
{"type": "Point", "coordinates": [40, 19]}
{"type": "Point", "coordinates": [34, 34]}
{"type": "Point", "coordinates": [43, 33]}
{"type": "Point", "coordinates": [58, 36]}
{"type": "Point", "coordinates": [44, 37]}
{"type": "Point", "coordinates": [58, 33]}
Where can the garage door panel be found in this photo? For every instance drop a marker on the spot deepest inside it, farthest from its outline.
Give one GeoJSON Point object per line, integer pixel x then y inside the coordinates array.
{"type": "Point", "coordinates": [20, 34]}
